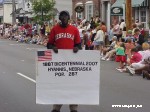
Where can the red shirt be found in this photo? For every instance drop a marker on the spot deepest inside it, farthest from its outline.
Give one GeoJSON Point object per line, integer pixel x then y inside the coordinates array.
{"type": "Point", "coordinates": [128, 47]}
{"type": "Point", "coordinates": [136, 57]}
{"type": "Point", "coordinates": [64, 38]}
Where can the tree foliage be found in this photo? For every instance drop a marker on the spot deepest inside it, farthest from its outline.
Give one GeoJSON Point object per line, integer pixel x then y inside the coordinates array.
{"type": "Point", "coordinates": [43, 10]}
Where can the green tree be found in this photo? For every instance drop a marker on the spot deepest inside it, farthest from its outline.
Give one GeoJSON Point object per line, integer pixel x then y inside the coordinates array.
{"type": "Point", "coordinates": [43, 10]}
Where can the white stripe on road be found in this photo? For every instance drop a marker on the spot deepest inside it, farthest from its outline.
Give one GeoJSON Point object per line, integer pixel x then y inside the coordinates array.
{"type": "Point", "coordinates": [18, 44]}
{"type": "Point", "coordinates": [26, 77]}
{"type": "Point", "coordinates": [31, 48]}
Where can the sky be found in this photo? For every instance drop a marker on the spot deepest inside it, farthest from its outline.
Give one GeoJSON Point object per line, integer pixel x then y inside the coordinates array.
{"type": "Point", "coordinates": [64, 5]}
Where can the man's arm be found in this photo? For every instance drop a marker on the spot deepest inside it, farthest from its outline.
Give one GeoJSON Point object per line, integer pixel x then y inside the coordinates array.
{"type": "Point", "coordinates": [78, 46]}
{"type": "Point", "coordinates": [77, 42]}
{"type": "Point", "coordinates": [51, 41]}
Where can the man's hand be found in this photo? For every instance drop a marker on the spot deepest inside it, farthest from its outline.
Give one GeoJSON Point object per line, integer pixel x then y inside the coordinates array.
{"type": "Point", "coordinates": [75, 49]}
{"type": "Point", "coordinates": [55, 49]}
{"type": "Point", "coordinates": [50, 46]}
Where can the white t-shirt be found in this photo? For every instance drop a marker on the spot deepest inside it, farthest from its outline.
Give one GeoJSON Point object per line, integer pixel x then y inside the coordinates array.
{"type": "Point", "coordinates": [99, 36]}
{"type": "Point", "coordinates": [80, 32]}
{"type": "Point", "coordinates": [116, 29]}
{"type": "Point", "coordinates": [145, 55]}
{"type": "Point", "coordinates": [122, 25]}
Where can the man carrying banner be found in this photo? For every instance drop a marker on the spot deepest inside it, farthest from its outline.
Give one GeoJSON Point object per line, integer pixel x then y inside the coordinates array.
{"type": "Point", "coordinates": [64, 36]}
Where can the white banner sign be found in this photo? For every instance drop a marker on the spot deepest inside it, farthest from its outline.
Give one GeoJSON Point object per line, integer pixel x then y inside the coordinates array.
{"type": "Point", "coordinates": [67, 77]}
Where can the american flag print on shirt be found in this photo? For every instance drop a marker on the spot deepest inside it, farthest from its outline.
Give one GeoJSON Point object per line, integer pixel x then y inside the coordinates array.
{"type": "Point", "coordinates": [44, 55]}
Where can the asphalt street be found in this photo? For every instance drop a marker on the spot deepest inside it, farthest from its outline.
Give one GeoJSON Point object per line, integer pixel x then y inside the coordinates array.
{"type": "Point", "coordinates": [17, 93]}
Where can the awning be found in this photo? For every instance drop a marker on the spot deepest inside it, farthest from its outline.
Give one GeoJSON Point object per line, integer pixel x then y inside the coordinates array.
{"type": "Point", "coordinates": [79, 3]}
{"type": "Point", "coordinates": [118, 3]}
{"type": "Point", "coordinates": [135, 3]}
{"type": "Point", "coordinates": [17, 11]}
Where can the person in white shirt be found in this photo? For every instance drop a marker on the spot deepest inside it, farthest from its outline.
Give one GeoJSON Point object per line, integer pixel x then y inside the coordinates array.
{"type": "Point", "coordinates": [83, 21]}
{"type": "Point", "coordinates": [137, 22]}
{"type": "Point", "coordinates": [99, 40]}
{"type": "Point", "coordinates": [1, 32]}
{"type": "Point", "coordinates": [116, 29]}
{"type": "Point", "coordinates": [122, 24]}
{"type": "Point", "coordinates": [80, 33]}
{"type": "Point", "coordinates": [87, 25]}
{"type": "Point", "coordinates": [123, 27]}
{"type": "Point", "coordinates": [145, 55]}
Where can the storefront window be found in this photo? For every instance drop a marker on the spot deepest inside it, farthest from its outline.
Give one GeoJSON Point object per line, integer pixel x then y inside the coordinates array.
{"type": "Point", "coordinates": [89, 10]}
{"type": "Point", "coordinates": [79, 15]}
{"type": "Point", "coordinates": [143, 16]}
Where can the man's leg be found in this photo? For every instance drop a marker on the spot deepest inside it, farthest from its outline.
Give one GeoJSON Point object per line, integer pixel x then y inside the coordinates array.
{"type": "Point", "coordinates": [146, 67]}
{"type": "Point", "coordinates": [56, 108]}
{"type": "Point", "coordinates": [73, 108]}
{"type": "Point", "coordinates": [112, 53]}
{"type": "Point", "coordinates": [137, 65]}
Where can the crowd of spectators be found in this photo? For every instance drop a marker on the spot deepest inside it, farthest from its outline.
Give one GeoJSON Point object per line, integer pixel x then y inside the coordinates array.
{"type": "Point", "coordinates": [131, 49]}
{"type": "Point", "coordinates": [26, 33]}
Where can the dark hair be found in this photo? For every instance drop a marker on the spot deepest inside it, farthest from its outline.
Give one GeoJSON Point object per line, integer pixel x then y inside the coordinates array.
{"type": "Point", "coordinates": [87, 22]}
{"type": "Point", "coordinates": [102, 23]}
{"type": "Point", "coordinates": [83, 31]}
{"type": "Point", "coordinates": [134, 25]}
{"type": "Point", "coordinates": [139, 48]}
{"type": "Point", "coordinates": [134, 50]}
{"type": "Point", "coordinates": [122, 39]}
{"type": "Point", "coordinates": [122, 20]}
{"type": "Point", "coordinates": [122, 45]}
{"type": "Point", "coordinates": [62, 12]}
{"type": "Point", "coordinates": [136, 30]}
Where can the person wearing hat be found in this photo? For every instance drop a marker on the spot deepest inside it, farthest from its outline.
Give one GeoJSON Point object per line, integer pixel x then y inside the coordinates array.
{"type": "Point", "coordinates": [64, 36]}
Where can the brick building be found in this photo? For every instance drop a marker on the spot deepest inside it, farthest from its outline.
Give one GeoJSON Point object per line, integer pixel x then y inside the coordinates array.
{"type": "Point", "coordinates": [91, 8]}
{"type": "Point", "coordinates": [140, 10]}
{"type": "Point", "coordinates": [102, 8]}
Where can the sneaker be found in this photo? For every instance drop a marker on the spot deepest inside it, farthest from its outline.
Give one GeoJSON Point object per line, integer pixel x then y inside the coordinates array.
{"type": "Point", "coordinates": [124, 70]}
{"type": "Point", "coordinates": [103, 59]}
{"type": "Point", "coordinates": [101, 54]}
{"type": "Point", "coordinates": [131, 70]}
{"type": "Point", "coordinates": [119, 69]}
{"type": "Point", "coordinates": [108, 59]}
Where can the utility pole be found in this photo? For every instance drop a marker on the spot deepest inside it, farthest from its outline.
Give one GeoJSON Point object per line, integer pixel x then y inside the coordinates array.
{"type": "Point", "coordinates": [13, 12]}
{"type": "Point", "coordinates": [128, 15]}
